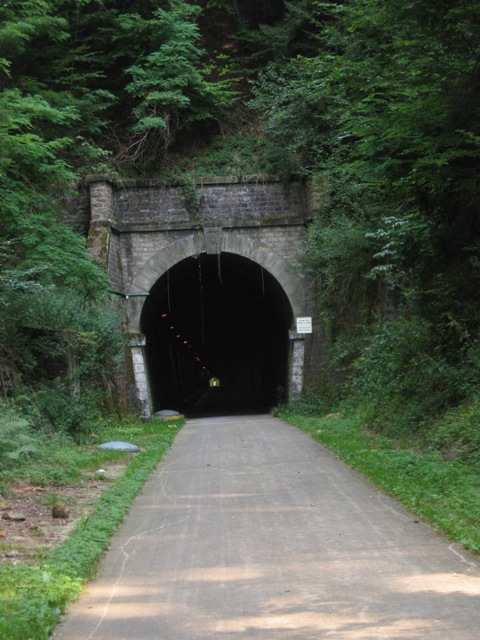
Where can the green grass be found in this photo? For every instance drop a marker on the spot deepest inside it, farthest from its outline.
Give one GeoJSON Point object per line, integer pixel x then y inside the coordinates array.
{"type": "Point", "coordinates": [32, 597]}
{"type": "Point", "coordinates": [444, 492]}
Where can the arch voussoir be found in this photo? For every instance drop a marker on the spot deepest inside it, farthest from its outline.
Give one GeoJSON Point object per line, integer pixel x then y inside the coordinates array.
{"type": "Point", "coordinates": [159, 263]}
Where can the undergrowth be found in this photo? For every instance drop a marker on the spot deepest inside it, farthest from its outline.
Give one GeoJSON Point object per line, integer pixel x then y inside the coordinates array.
{"type": "Point", "coordinates": [41, 457]}
{"type": "Point", "coordinates": [245, 151]}
{"type": "Point", "coordinates": [33, 597]}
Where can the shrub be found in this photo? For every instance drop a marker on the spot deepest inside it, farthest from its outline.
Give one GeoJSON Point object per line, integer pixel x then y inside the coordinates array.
{"type": "Point", "coordinates": [456, 434]}
{"type": "Point", "coordinates": [386, 373]}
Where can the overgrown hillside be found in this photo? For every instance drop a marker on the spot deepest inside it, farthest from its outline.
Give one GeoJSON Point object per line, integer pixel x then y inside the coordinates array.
{"type": "Point", "coordinates": [376, 100]}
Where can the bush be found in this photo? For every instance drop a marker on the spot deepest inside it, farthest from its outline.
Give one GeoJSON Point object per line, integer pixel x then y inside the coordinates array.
{"type": "Point", "coordinates": [388, 370]}
{"type": "Point", "coordinates": [311, 403]}
{"type": "Point", "coordinates": [54, 406]}
{"type": "Point", "coordinates": [456, 434]}
{"type": "Point", "coordinates": [402, 379]}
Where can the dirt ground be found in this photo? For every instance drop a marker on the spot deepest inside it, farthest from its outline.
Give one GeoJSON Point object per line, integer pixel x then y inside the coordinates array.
{"type": "Point", "coordinates": [28, 528]}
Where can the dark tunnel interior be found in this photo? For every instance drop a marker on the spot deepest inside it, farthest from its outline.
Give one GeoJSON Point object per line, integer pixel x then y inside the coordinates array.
{"type": "Point", "coordinates": [216, 330]}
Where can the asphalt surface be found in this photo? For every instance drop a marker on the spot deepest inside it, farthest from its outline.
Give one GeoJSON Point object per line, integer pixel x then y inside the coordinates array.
{"type": "Point", "coordinates": [249, 529]}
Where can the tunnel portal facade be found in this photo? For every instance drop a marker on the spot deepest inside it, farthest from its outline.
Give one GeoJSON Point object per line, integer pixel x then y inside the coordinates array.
{"type": "Point", "coordinates": [207, 272]}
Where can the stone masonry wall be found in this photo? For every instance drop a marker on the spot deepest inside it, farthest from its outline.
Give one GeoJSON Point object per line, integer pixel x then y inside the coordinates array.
{"type": "Point", "coordinates": [138, 231]}
{"type": "Point", "coordinates": [142, 219]}
{"type": "Point", "coordinates": [222, 204]}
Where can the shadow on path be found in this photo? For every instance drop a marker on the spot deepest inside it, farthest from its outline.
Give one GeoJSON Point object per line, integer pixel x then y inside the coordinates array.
{"type": "Point", "coordinates": [250, 529]}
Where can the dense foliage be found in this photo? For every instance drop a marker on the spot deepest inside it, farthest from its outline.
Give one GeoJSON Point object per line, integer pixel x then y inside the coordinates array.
{"type": "Point", "coordinates": [384, 105]}
{"type": "Point", "coordinates": [376, 99]}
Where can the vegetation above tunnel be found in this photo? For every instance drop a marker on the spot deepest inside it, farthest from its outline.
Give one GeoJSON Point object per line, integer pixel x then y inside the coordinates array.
{"type": "Point", "coordinates": [375, 100]}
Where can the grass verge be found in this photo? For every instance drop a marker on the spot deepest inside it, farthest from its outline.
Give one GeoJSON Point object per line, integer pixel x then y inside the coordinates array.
{"type": "Point", "coordinates": [32, 597]}
{"type": "Point", "coordinates": [444, 492]}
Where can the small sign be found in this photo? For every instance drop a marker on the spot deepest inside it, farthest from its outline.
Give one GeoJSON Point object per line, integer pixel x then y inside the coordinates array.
{"type": "Point", "coordinates": [213, 239]}
{"type": "Point", "coordinates": [304, 325]}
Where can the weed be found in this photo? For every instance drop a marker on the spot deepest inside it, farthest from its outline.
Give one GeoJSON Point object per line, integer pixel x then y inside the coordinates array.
{"type": "Point", "coordinates": [456, 433]}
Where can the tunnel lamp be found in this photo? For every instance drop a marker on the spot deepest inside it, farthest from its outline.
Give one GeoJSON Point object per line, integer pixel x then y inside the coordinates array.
{"type": "Point", "coordinates": [127, 296]}
{"type": "Point", "coordinates": [185, 342]}
{"type": "Point", "coordinates": [164, 315]}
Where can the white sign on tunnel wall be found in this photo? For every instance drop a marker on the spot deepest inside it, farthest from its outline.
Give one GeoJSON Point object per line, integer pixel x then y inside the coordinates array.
{"type": "Point", "coordinates": [304, 325]}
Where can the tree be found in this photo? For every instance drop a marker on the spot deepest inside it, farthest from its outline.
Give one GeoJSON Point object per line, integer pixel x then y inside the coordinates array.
{"type": "Point", "coordinates": [47, 279]}
{"type": "Point", "coordinates": [386, 111]}
{"type": "Point", "coordinates": [168, 85]}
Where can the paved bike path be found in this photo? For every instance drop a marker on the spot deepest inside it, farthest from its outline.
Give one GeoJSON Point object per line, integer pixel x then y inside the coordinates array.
{"type": "Point", "coordinates": [250, 529]}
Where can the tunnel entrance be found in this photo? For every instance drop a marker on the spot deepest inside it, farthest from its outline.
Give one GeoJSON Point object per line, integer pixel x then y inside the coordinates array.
{"type": "Point", "coordinates": [217, 316]}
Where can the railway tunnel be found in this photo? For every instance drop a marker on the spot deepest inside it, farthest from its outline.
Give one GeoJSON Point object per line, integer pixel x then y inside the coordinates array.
{"type": "Point", "coordinates": [216, 329]}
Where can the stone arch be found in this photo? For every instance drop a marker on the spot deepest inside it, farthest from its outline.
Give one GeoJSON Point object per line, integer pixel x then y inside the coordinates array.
{"type": "Point", "coordinates": [194, 244]}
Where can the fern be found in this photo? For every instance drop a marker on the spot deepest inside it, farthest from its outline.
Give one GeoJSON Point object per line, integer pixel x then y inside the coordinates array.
{"type": "Point", "coordinates": [17, 441]}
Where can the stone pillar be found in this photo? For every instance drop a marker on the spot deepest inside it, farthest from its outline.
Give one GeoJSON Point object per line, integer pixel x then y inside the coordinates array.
{"type": "Point", "coordinates": [102, 208]}
{"type": "Point", "coordinates": [317, 193]}
{"type": "Point", "coordinates": [297, 357]}
{"type": "Point", "coordinates": [101, 198]}
{"type": "Point", "coordinates": [140, 373]}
